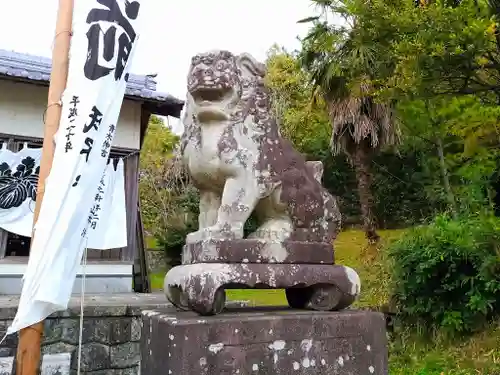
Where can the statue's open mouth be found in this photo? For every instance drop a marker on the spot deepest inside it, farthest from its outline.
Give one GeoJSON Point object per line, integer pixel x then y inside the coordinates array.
{"type": "Point", "coordinates": [211, 103]}
{"type": "Point", "coordinates": [210, 95]}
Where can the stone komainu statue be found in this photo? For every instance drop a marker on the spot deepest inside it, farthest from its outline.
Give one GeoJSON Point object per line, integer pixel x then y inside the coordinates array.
{"type": "Point", "coordinates": [236, 157]}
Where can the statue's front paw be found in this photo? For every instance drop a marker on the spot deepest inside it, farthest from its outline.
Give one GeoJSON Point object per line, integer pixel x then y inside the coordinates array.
{"type": "Point", "coordinates": [194, 236]}
{"type": "Point", "coordinates": [216, 232]}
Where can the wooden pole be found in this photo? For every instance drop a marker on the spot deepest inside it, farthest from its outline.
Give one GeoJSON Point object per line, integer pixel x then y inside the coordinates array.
{"type": "Point", "coordinates": [30, 338]}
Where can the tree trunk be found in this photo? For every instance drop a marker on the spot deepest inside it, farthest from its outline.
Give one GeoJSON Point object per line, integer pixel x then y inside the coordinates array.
{"type": "Point", "coordinates": [361, 160]}
{"type": "Point", "coordinates": [446, 179]}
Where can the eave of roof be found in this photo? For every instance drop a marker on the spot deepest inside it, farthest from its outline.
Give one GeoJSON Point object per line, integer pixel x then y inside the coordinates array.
{"type": "Point", "coordinates": [36, 69]}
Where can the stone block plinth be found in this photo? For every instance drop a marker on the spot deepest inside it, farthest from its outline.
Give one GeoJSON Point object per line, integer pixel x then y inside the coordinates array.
{"type": "Point", "coordinates": [278, 342]}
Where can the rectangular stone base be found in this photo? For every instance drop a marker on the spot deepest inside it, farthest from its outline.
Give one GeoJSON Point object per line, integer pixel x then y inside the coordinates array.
{"type": "Point", "coordinates": [254, 342]}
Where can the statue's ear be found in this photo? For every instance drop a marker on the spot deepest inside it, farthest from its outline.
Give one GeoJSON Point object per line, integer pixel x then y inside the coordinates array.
{"type": "Point", "coordinates": [249, 66]}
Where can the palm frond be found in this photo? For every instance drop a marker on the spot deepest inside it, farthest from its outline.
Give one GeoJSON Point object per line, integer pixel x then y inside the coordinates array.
{"type": "Point", "coordinates": [359, 118]}
{"type": "Point", "coordinates": [308, 19]}
{"type": "Point", "coordinates": [340, 64]}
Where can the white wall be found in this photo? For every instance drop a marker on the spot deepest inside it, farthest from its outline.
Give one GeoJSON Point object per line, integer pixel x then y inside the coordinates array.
{"type": "Point", "coordinates": [100, 278]}
{"type": "Point", "coordinates": [22, 106]}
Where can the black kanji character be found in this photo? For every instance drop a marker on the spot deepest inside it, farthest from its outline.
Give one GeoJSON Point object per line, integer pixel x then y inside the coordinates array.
{"type": "Point", "coordinates": [98, 197]}
{"type": "Point", "coordinates": [74, 100]}
{"type": "Point", "coordinates": [68, 146]}
{"type": "Point", "coordinates": [95, 120]}
{"type": "Point", "coordinates": [73, 112]}
{"type": "Point", "coordinates": [113, 14]}
{"type": "Point", "coordinates": [89, 142]}
{"type": "Point", "coordinates": [77, 179]}
{"type": "Point", "coordinates": [69, 135]}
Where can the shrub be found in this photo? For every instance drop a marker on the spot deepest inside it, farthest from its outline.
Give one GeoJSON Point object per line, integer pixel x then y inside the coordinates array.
{"type": "Point", "coordinates": [181, 221]}
{"type": "Point", "coordinates": [447, 274]}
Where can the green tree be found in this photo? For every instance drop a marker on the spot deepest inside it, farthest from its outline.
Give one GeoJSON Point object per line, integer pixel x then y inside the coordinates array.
{"type": "Point", "coordinates": [458, 131]}
{"type": "Point", "coordinates": [168, 200]}
{"type": "Point", "coordinates": [157, 152]}
{"type": "Point", "coordinates": [302, 121]}
{"type": "Point", "coordinates": [423, 120]}
{"type": "Point", "coordinates": [445, 54]}
{"type": "Point", "coordinates": [423, 49]}
{"type": "Point", "coordinates": [438, 63]}
{"type": "Point", "coordinates": [343, 68]}
{"type": "Point", "coordinates": [399, 179]}
{"type": "Point", "coordinates": [443, 48]}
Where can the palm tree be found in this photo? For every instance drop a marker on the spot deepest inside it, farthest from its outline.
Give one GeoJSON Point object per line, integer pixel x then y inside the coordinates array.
{"type": "Point", "coordinates": [342, 69]}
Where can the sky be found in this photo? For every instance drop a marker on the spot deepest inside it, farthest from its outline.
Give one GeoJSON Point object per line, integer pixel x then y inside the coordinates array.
{"type": "Point", "coordinates": [171, 32]}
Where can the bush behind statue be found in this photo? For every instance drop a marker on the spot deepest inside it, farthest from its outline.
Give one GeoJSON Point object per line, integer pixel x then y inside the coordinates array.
{"type": "Point", "coordinates": [447, 274]}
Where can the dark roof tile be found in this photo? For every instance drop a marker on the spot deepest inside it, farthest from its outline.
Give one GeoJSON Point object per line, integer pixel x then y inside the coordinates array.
{"type": "Point", "coordinates": [37, 69]}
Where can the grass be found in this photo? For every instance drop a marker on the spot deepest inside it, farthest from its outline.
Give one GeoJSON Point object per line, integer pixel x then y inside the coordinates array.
{"type": "Point", "coordinates": [156, 281]}
{"type": "Point", "coordinates": [409, 355]}
{"type": "Point", "coordinates": [351, 249]}
{"type": "Point", "coordinates": [370, 262]}
{"type": "Point", "coordinates": [476, 355]}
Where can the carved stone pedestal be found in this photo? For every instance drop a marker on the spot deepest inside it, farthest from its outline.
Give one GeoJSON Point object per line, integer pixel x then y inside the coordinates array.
{"type": "Point", "coordinates": [304, 269]}
{"type": "Point", "coordinates": [200, 287]}
{"type": "Point", "coordinates": [264, 342]}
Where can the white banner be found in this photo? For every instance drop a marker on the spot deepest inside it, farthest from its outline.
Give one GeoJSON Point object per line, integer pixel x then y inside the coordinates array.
{"type": "Point", "coordinates": [104, 38]}
{"type": "Point", "coordinates": [111, 229]}
{"type": "Point", "coordinates": [18, 183]}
